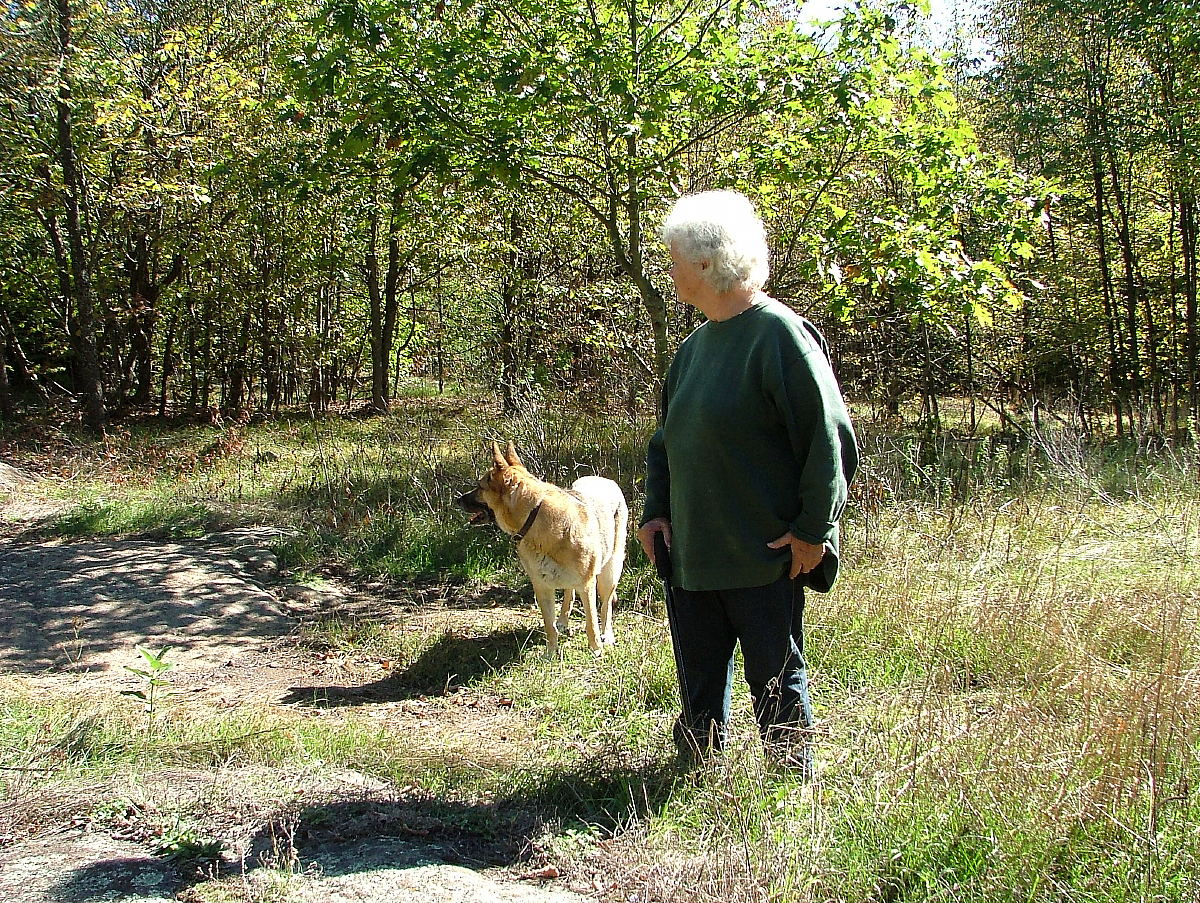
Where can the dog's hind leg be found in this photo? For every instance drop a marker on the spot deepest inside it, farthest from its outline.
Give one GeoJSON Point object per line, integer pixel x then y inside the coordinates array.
{"type": "Point", "coordinates": [606, 589]}
{"type": "Point", "coordinates": [564, 613]}
{"type": "Point", "coordinates": [545, 601]}
{"type": "Point", "coordinates": [588, 597]}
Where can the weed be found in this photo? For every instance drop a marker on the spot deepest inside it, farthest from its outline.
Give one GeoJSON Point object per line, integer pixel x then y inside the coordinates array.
{"type": "Point", "coordinates": [187, 847]}
{"type": "Point", "coordinates": [153, 680]}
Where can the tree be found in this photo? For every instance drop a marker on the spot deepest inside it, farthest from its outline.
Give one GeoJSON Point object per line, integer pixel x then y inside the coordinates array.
{"type": "Point", "coordinates": [45, 72]}
{"type": "Point", "coordinates": [1104, 102]}
{"type": "Point", "coordinates": [114, 114]}
{"type": "Point", "coordinates": [618, 105]}
{"type": "Point", "coordinates": [602, 102]}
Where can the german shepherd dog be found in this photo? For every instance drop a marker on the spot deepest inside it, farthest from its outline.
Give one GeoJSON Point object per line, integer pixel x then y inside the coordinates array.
{"type": "Point", "coordinates": [569, 539]}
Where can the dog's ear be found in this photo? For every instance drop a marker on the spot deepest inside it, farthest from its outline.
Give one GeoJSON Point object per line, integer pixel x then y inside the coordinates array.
{"type": "Point", "coordinates": [511, 455]}
{"type": "Point", "coordinates": [497, 458]}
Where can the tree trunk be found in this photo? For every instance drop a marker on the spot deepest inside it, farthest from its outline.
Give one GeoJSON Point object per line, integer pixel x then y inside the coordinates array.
{"type": "Point", "coordinates": [26, 376]}
{"type": "Point", "coordinates": [969, 335]}
{"type": "Point", "coordinates": [1118, 362]}
{"type": "Point", "coordinates": [272, 355]}
{"type": "Point", "coordinates": [383, 289]}
{"type": "Point", "coordinates": [206, 388]}
{"type": "Point", "coordinates": [238, 395]}
{"type": "Point", "coordinates": [627, 248]}
{"type": "Point", "coordinates": [1188, 250]}
{"type": "Point", "coordinates": [168, 370]}
{"type": "Point", "coordinates": [6, 403]}
{"type": "Point", "coordinates": [510, 305]}
{"type": "Point", "coordinates": [380, 401]}
{"type": "Point", "coordinates": [91, 384]}
{"type": "Point", "coordinates": [391, 294]}
{"type": "Point", "coordinates": [321, 385]}
{"type": "Point", "coordinates": [1133, 290]}
{"type": "Point", "coordinates": [145, 290]}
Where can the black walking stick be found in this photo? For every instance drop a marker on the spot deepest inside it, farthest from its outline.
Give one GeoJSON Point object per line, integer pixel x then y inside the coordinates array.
{"type": "Point", "coordinates": [662, 564]}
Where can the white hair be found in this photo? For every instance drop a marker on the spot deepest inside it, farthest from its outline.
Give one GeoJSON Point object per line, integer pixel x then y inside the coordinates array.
{"type": "Point", "coordinates": [722, 228]}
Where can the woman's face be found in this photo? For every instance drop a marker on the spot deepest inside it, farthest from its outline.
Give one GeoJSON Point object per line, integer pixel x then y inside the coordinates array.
{"type": "Point", "coordinates": [689, 277]}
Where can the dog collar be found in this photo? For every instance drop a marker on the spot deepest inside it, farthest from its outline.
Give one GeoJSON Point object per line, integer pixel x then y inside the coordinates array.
{"type": "Point", "coordinates": [520, 534]}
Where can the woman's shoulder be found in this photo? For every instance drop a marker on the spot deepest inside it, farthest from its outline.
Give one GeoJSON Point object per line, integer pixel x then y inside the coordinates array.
{"type": "Point", "coordinates": [792, 328]}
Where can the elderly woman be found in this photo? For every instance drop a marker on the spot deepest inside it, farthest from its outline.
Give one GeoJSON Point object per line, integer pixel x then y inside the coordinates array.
{"type": "Point", "coordinates": [746, 479]}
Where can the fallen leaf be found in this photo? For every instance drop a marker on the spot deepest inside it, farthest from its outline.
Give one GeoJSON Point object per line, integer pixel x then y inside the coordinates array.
{"type": "Point", "coordinates": [550, 871]}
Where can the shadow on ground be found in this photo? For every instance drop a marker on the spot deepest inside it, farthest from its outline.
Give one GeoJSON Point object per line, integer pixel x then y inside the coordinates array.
{"type": "Point", "coordinates": [394, 849]}
{"type": "Point", "coordinates": [84, 606]}
{"type": "Point", "coordinates": [592, 793]}
{"type": "Point", "coordinates": [451, 662]}
{"type": "Point", "coordinates": [138, 877]}
{"type": "Point", "coordinates": [458, 594]}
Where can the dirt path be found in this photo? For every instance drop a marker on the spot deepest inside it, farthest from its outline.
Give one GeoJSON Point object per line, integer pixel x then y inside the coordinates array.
{"type": "Point", "coordinates": [71, 615]}
{"type": "Point", "coordinates": [83, 607]}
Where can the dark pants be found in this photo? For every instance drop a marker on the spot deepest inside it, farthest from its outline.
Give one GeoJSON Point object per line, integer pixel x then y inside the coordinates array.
{"type": "Point", "coordinates": [769, 623]}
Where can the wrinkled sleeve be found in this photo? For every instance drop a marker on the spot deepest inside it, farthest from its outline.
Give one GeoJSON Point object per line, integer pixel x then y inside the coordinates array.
{"type": "Point", "coordinates": [824, 443]}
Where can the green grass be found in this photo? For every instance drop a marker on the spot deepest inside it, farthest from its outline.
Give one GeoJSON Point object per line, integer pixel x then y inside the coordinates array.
{"type": "Point", "coordinates": [1006, 676]}
{"type": "Point", "coordinates": [97, 517]}
{"type": "Point", "coordinates": [98, 736]}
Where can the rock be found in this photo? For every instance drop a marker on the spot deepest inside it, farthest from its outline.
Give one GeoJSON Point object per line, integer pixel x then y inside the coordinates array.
{"type": "Point", "coordinates": [84, 606]}
{"type": "Point", "coordinates": [84, 868]}
{"type": "Point", "coordinates": [12, 478]}
{"type": "Point", "coordinates": [396, 872]}
{"type": "Point", "coordinates": [250, 546]}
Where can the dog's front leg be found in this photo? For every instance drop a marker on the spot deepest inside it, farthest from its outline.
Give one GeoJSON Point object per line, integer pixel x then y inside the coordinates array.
{"type": "Point", "coordinates": [545, 601]}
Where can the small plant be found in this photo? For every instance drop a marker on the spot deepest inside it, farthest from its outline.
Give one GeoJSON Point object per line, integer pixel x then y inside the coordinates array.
{"type": "Point", "coordinates": [184, 846]}
{"type": "Point", "coordinates": [152, 675]}
{"type": "Point", "coordinates": [77, 626]}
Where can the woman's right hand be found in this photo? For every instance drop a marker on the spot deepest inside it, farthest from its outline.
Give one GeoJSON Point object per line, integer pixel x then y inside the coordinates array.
{"type": "Point", "coordinates": [645, 534]}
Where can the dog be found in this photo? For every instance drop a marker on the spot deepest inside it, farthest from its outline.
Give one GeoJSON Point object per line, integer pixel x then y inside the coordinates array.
{"type": "Point", "coordinates": [569, 539]}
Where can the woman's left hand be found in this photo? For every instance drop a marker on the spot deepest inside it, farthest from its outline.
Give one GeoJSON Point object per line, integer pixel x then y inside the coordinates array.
{"type": "Point", "coordinates": [805, 555]}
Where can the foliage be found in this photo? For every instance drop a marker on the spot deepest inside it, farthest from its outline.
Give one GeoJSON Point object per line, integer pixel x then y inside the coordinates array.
{"type": "Point", "coordinates": [282, 205]}
{"type": "Point", "coordinates": [618, 106]}
{"type": "Point", "coordinates": [1101, 97]}
{"type": "Point", "coordinates": [891, 199]}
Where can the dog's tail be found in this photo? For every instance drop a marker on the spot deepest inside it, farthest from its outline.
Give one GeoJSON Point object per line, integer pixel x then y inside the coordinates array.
{"type": "Point", "coordinates": [621, 529]}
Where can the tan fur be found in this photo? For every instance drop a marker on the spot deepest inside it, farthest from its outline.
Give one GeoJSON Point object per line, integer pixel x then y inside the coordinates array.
{"type": "Point", "coordinates": [576, 544]}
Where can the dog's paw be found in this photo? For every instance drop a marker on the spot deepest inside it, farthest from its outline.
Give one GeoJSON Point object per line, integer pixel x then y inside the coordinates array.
{"type": "Point", "coordinates": [564, 629]}
{"type": "Point", "coordinates": [609, 639]}
{"type": "Point", "coordinates": [552, 654]}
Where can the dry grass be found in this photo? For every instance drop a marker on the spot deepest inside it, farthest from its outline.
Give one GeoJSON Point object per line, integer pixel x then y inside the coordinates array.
{"type": "Point", "coordinates": [1010, 705]}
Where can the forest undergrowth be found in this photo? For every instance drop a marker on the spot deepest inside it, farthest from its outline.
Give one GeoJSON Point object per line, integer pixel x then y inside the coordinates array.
{"type": "Point", "coordinates": [1007, 677]}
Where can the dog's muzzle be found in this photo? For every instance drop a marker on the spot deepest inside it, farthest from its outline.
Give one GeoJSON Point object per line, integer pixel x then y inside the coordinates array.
{"type": "Point", "coordinates": [480, 513]}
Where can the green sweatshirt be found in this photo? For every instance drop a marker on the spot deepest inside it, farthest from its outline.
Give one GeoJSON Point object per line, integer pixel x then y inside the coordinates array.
{"type": "Point", "coordinates": [756, 441]}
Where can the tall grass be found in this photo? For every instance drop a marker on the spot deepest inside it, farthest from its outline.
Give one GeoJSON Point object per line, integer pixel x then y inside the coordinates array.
{"type": "Point", "coordinates": [376, 495]}
{"type": "Point", "coordinates": [1010, 690]}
